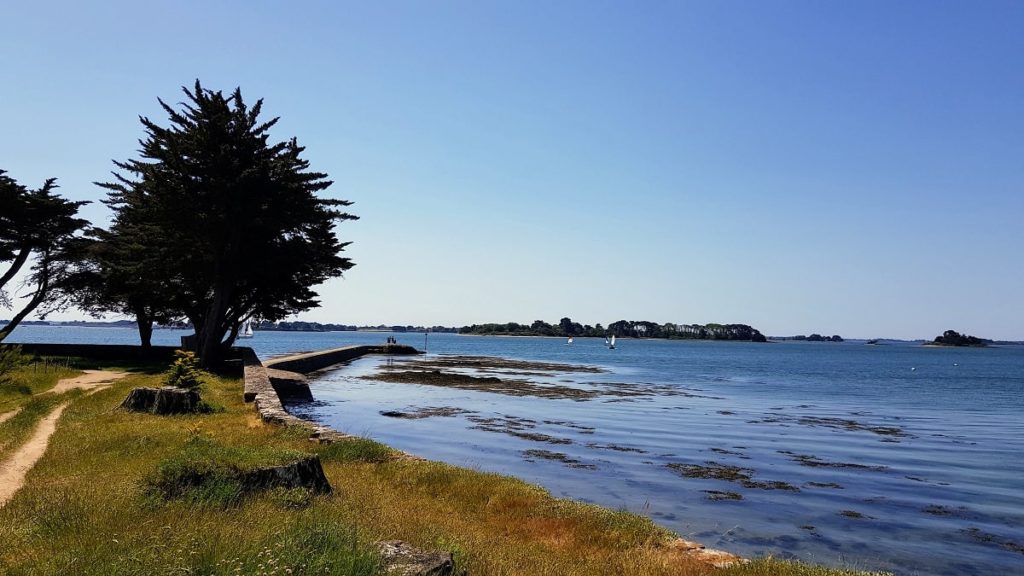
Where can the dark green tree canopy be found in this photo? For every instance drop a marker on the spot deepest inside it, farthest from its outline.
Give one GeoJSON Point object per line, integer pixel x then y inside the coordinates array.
{"type": "Point", "coordinates": [36, 226]}
{"type": "Point", "coordinates": [954, 338]}
{"type": "Point", "coordinates": [220, 224]}
{"type": "Point", "coordinates": [114, 272]}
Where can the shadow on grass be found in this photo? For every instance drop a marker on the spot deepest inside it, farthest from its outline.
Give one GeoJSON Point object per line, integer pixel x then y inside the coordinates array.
{"type": "Point", "coordinates": [211, 473]}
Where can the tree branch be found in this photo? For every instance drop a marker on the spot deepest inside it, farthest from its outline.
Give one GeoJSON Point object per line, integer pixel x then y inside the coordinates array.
{"type": "Point", "coordinates": [43, 278]}
{"type": "Point", "coordinates": [16, 265]}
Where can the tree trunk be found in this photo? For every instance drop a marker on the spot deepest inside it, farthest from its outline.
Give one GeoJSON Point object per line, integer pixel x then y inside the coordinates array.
{"type": "Point", "coordinates": [209, 334]}
{"type": "Point", "coordinates": [37, 299]}
{"type": "Point", "coordinates": [145, 330]}
{"type": "Point", "coordinates": [16, 265]}
{"type": "Point", "coordinates": [233, 334]}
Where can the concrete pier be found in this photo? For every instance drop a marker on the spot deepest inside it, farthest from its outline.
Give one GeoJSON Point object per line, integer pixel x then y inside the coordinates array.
{"type": "Point", "coordinates": [313, 361]}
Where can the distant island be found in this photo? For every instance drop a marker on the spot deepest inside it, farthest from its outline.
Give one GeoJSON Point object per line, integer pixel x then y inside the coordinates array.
{"type": "Point", "coordinates": [811, 338]}
{"type": "Point", "coordinates": [954, 338]}
{"type": "Point", "coordinates": [620, 329]}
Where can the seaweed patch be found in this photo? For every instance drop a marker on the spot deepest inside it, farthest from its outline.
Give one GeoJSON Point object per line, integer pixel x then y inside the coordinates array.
{"type": "Point", "coordinates": [815, 462]}
{"type": "Point", "coordinates": [716, 471]}
{"type": "Point", "coordinates": [987, 538]}
{"type": "Point", "coordinates": [720, 495]}
{"type": "Point", "coordinates": [425, 412]}
{"type": "Point", "coordinates": [534, 455]}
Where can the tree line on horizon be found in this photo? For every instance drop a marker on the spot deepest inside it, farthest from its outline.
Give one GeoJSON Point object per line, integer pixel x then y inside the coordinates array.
{"type": "Point", "coordinates": [621, 329]}
{"type": "Point", "coordinates": [306, 326]}
{"type": "Point", "coordinates": [813, 338]}
{"type": "Point", "coordinates": [214, 225]}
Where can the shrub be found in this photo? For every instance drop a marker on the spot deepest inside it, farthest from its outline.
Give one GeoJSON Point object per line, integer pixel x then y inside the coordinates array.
{"type": "Point", "coordinates": [185, 372]}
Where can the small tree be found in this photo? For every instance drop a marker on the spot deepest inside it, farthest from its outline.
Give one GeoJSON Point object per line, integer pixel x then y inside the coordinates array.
{"type": "Point", "coordinates": [185, 372]}
{"type": "Point", "coordinates": [40, 227]}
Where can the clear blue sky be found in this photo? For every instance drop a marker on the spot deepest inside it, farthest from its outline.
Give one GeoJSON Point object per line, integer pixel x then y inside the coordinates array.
{"type": "Point", "coordinates": [835, 167]}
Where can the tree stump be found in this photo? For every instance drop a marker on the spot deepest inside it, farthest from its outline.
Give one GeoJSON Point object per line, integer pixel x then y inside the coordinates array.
{"type": "Point", "coordinates": [304, 473]}
{"type": "Point", "coordinates": [163, 401]}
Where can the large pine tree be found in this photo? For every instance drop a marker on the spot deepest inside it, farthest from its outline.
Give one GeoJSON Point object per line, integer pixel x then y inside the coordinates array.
{"type": "Point", "coordinates": [218, 225]}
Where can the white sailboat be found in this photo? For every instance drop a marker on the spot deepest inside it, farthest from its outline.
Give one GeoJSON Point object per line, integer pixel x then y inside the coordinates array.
{"type": "Point", "coordinates": [570, 341]}
{"type": "Point", "coordinates": [611, 343]}
{"type": "Point", "coordinates": [246, 331]}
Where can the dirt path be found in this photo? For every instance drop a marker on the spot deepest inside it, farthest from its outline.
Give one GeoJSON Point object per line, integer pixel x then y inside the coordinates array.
{"type": "Point", "coordinates": [16, 467]}
{"type": "Point", "coordinates": [13, 471]}
{"type": "Point", "coordinates": [90, 380]}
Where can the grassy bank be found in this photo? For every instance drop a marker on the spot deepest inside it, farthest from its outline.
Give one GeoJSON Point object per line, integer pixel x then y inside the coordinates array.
{"type": "Point", "coordinates": [24, 401]}
{"type": "Point", "coordinates": [107, 498]}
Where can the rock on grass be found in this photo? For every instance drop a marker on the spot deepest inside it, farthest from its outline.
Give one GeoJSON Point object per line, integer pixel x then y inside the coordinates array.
{"type": "Point", "coordinates": [401, 559]}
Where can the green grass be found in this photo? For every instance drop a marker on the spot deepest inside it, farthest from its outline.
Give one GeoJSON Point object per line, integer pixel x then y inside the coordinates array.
{"type": "Point", "coordinates": [88, 506]}
{"type": "Point", "coordinates": [356, 450]}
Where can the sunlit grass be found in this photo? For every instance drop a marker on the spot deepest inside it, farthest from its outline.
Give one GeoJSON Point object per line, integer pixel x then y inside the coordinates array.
{"type": "Point", "coordinates": [88, 507]}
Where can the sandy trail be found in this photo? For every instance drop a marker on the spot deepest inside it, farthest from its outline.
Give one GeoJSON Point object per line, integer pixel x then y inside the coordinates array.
{"type": "Point", "coordinates": [14, 470]}
{"type": "Point", "coordinates": [16, 467]}
{"type": "Point", "coordinates": [90, 380]}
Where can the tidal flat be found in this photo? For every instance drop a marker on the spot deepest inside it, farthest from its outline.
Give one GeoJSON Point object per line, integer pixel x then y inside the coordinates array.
{"type": "Point", "coordinates": [737, 446]}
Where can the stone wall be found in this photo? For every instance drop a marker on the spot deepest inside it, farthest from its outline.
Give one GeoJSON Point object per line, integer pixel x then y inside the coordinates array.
{"type": "Point", "coordinates": [313, 361]}
{"type": "Point", "coordinates": [258, 387]}
{"type": "Point", "coordinates": [99, 351]}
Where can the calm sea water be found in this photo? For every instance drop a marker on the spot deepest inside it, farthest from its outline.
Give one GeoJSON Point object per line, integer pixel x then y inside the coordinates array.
{"type": "Point", "coordinates": [906, 458]}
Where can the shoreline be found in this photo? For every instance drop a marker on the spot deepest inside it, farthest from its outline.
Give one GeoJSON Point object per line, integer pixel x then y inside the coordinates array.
{"type": "Point", "coordinates": [835, 490]}
{"type": "Point", "coordinates": [272, 409]}
{"type": "Point", "coordinates": [386, 494]}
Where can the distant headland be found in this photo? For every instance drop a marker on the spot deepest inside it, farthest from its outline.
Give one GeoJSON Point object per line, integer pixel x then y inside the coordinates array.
{"type": "Point", "coordinates": [811, 338]}
{"type": "Point", "coordinates": [621, 329]}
